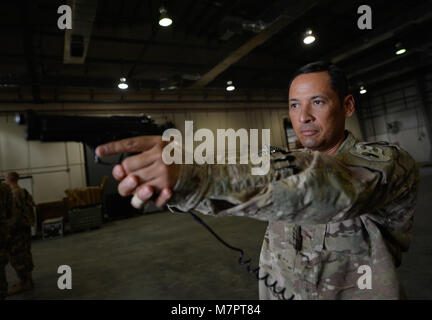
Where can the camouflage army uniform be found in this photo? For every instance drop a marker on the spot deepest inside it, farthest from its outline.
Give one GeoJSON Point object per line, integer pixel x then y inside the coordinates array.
{"type": "Point", "coordinates": [20, 230]}
{"type": "Point", "coordinates": [328, 215]}
{"type": "Point", "coordinates": [5, 213]}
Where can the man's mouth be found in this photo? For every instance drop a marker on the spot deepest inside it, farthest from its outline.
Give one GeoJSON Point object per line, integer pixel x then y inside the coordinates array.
{"type": "Point", "coordinates": [309, 132]}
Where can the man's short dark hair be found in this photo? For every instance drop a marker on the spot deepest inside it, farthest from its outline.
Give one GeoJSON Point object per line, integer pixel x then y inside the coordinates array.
{"type": "Point", "coordinates": [338, 79]}
{"type": "Point", "coordinates": [13, 176]}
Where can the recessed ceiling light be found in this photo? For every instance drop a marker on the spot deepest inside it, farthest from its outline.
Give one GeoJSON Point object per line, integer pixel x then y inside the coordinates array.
{"type": "Point", "coordinates": [122, 84]}
{"type": "Point", "coordinates": [164, 19]}
{"type": "Point", "coordinates": [309, 37]}
{"type": "Point", "coordinates": [230, 86]}
{"type": "Point", "coordinates": [400, 49]}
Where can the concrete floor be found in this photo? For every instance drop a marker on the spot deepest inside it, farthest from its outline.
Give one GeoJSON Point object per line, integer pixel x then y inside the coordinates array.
{"type": "Point", "coordinates": [154, 256]}
{"type": "Point", "coordinates": [416, 271]}
{"type": "Point", "coordinates": [170, 256]}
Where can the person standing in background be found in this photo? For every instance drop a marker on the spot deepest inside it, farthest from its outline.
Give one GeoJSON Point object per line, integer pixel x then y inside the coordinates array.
{"type": "Point", "coordinates": [6, 203]}
{"type": "Point", "coordinates": [20, 224]}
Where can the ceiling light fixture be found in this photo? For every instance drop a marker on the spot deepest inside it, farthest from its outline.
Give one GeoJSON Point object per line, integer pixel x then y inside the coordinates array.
{"type": "Point", "coordinates": [309, 37]}
{"type": "Point", "coordinates": [164, 19]}
{"type": "Point", "coordinates": [230, 86]}
{"type": "Point", "coordinates": [362, 90]}
{"type": "Point", "coordinates": [400, 49]}
{"type": "Point", "coordinates": [122, 84]}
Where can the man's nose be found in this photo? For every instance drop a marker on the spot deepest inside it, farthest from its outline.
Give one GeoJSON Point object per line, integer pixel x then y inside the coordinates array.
{"type": "Point", "coordinates": [306, 115]}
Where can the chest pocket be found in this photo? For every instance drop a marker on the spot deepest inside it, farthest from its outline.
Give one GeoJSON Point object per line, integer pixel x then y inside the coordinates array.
{"type": "Point", "coordinates": [313, 237]}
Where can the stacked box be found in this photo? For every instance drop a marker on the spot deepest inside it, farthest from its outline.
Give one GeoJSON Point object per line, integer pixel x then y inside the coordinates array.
{"type": "Point", "coordinates": [85, 218]}
{"type": "Point", "coordinates": [88, 196]}
{"type": "Point", "coordinates": [84, 197]}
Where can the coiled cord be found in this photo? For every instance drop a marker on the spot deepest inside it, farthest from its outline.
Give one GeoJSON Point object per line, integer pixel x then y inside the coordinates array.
{"type": "Point", "coordinates": [247, 262]}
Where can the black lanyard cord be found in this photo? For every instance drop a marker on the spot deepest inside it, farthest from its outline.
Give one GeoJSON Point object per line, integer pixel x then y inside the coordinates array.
{"type": "Point", "coordinates": [247, 262]}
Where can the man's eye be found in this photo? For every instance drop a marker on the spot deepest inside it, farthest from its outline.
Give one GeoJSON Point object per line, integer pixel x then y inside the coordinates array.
{"type": "Point", "coordinates": [294, 106]}
{"type": "Point", "coordinates": [318, 102]}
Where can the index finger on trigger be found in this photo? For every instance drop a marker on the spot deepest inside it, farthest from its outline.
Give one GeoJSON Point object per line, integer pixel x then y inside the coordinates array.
{"type": "Point", "coordinates": [128, 145]}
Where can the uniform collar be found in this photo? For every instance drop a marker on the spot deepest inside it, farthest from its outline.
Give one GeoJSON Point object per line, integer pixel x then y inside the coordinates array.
{"type": "Point", "coordinates": [349, 142]}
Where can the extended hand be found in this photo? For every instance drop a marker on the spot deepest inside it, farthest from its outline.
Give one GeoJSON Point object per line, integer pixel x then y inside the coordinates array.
{"type": "Point", "coordinates": [145, 174]}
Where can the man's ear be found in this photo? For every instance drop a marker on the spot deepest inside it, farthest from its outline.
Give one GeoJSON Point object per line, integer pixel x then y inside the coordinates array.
{"type": "Point", "coordinates": [349, 105]}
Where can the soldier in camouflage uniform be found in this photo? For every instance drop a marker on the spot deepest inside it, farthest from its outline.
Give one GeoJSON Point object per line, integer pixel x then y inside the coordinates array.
{"type": "Point", "coordinates": [5, 214]}
{"type": "Point", "coordinates": [20, 224]}
{"type": "Point", "coordinates": [336, 209]}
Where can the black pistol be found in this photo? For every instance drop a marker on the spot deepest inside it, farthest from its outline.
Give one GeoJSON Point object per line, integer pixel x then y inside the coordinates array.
{"type": "Point", "coordinates": [90, 130]}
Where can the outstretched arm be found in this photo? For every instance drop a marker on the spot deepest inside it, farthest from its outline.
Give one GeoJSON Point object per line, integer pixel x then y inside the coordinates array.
{"type": "Point", "coordinates": [300, 187]}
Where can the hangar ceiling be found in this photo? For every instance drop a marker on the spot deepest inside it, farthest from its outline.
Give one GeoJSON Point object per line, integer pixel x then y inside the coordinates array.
{"type": "Point", "coordinates": [255, 44]}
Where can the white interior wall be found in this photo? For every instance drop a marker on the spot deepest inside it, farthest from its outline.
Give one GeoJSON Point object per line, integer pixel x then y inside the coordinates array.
{"type": "Point", "coordinates": [398, 103]}
{"type": "Point", "coordinates": [51, 168]}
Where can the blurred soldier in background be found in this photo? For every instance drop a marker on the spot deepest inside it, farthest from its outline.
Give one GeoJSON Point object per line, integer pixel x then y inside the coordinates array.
{"type": "Point", "coordinates": [19, 247]}
{"type": "Point", "coordinates": [5, 214]}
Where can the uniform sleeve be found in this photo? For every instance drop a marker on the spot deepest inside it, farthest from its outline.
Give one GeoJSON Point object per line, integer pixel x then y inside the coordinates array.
{"type": "Point", "coordinates": [5, 212]}
{"type": "Point", "coordinates": [303, 188]}
{"type": "Point", "coordinates": [6, 204]}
